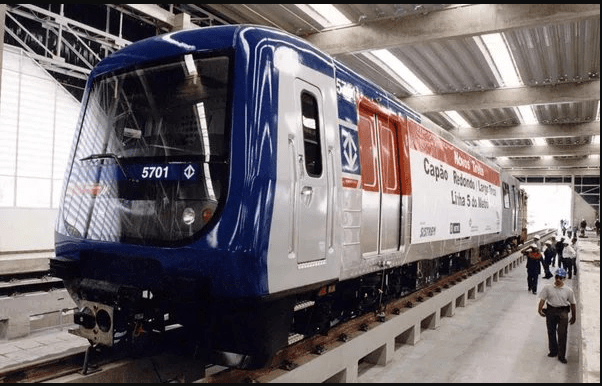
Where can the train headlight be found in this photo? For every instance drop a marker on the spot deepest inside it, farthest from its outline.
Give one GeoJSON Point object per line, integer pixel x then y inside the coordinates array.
{"type": "Point", "coordinates": [103, 320]}
{"type": "Point", "coordinates": [188, 216]}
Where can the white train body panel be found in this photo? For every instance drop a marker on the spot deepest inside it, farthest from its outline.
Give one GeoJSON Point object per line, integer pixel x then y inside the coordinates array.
{"type": "Point", "coordinates": [416, 193]}
{"type": "Point", "coordinates": [305, 245]}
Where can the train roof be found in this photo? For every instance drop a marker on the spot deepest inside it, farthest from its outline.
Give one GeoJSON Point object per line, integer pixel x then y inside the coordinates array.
{"type": "Point", "coordinates": [193, 40]}
{"type": "Point", "coordinates": [225, 36]}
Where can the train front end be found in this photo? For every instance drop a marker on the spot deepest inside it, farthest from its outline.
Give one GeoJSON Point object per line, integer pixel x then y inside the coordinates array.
{"type": "Point", "coordinates": [146, 182]}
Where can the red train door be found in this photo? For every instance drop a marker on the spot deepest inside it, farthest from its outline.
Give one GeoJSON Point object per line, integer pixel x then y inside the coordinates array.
{"type": "Point", "coordinates": [381, 180]}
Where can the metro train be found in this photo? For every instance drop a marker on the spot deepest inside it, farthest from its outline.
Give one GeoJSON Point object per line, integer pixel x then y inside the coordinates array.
{"type": "Point", "coordinates": [239, 183]}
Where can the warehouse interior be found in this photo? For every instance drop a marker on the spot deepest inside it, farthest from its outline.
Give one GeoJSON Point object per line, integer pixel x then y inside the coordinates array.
{"type": "Point", "coordinates": [518, 84]}
{"type": "Point", "coordinates": [541, 121]}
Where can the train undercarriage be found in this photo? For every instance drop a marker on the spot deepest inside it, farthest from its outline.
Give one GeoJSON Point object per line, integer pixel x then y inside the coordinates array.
{"type": "Point", "coordinates": [246, 333]}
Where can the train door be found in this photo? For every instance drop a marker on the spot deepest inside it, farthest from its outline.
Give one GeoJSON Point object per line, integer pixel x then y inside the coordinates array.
{"type": "Point", "coordinates": [381, 200]}
{"type": "Point", "coordinates": [310, 197]}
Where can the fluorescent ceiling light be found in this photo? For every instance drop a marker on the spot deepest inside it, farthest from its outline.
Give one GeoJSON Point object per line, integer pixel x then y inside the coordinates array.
{"type": "Point", "coordinates": [498, 51]}
{"type": "Point", "coordinates": [539, 141]}
{"type": "Point", "coordinates": [325, 14]}
{"type": "Point", "coordinates": [456, 119]}
{"type": "Point", "coordinates": [527, 115]}
{"type": "Point", "coordinates": [400, 69]}
{"type": "Point", "coordinates": [485, 143]}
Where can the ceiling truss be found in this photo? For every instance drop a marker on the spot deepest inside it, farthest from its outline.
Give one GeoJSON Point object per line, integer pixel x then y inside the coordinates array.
{"type": "Point", "coordinates": [69, 45]}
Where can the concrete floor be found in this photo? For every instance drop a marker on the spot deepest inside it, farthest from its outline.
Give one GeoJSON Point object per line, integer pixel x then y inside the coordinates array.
{"type": "Point", "coordinates": [500, 337]}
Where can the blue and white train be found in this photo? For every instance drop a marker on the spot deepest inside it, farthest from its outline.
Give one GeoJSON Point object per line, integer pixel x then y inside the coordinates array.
{"type": "Point", "coordinates": [239, 182]}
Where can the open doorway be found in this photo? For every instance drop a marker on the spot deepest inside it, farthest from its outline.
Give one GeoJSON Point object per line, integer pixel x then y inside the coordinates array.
{"type": "Point", "coordinates": [547, 205]}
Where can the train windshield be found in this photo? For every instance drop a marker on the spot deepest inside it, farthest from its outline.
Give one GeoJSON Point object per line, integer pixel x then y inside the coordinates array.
{"type": "Point", "coordinates": [151, 155]}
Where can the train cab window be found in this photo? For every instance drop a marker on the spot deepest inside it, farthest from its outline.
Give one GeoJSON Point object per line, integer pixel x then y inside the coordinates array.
{"type": "Point", "coordinates": [311, 134]}
{"type": "Point", "coordinates": [506, 194]}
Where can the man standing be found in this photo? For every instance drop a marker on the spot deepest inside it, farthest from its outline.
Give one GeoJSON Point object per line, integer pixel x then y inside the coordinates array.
{"type": "Point", "coordinates": [534, 263]}
{"type": "Point", "coordinates": [569, 257]}
{"type": "Point", "coordinates": [559, 249]}
{"type": "Point", "coordinates": [548, 256]}
{"type": "Point", "coordinates": [560, 300]}
{"type": "Point", "coordinates": [563, 227]}
{"type": "Point", "coordinates": [583, 225]}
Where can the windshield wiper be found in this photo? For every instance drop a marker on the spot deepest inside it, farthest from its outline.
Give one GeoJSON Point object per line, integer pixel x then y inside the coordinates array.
{"type": "Point", "coordinates": [117, 161]}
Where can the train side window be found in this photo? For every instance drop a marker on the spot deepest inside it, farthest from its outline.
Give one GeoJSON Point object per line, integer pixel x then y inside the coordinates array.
{"type": "Point", "coordinates": [368, 150]}
{"type": "Point", "coordinates": [506, 194]}
{"type": "Point", "coordinates": [311, 134]}
{"type": "Point", "coordinates": [389, 159]}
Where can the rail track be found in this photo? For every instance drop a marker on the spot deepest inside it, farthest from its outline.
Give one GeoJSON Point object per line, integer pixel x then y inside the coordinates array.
{"type": "Point", "coordinates": [13, 285]}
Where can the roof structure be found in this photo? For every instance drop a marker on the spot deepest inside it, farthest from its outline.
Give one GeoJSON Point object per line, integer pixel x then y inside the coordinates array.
{"type": "Point", "coordinates": [543, 126]}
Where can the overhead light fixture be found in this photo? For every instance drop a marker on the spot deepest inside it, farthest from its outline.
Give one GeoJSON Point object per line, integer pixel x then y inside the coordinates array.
{"type": "Point", "coordinates": [325, 14]}
{"type": "Point", "coordinates": [499, 58]}
{"type": "Point", "coordinates": [539, 141]}
{"type": "Point", "coordinates": [387, 60]}
{"type": "Point", "coordinates": [527, 116]}
{"type": "Point", "coordinates": [485, 143]}
{"type": "Point", "coordinates": [456, 119]}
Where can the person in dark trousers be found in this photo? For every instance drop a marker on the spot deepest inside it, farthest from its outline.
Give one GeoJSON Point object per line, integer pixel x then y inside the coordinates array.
{"type": "Point", "coordinates": [560, 299]}
{"type": "Point", "coordinates": [559, 248]}
{"type": "Point", "coordinates": [534, 263]}
{"type": "Point", "coordinates": [563, 227]}
{"type": "Point", "coordinates": [582, 225]}
{"type": "Point", "coordinates": [548, 256]}
{"type": "Point", "coordinates": [569, 256]}
{"type": "Point", "coordinates": [597, 224]}
{"type": "Point", "coordinates": [575, 256]}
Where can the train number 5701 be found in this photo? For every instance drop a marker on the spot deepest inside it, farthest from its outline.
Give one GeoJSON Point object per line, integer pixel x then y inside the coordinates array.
{"type": "Point", "coordinates": [155, 172]}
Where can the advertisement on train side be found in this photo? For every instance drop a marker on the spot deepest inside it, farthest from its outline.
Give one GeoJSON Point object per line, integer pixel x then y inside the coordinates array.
{"type": "Point", "coordinates": [463, 195]}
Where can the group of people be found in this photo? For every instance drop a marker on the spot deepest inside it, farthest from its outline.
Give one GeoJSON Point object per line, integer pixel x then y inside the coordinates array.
{"type": "Point", "coordinates": [572, 231]}
{"type": "Point", "coordinates": [557, 298]}
{"type": "Point", "coordinates": [563, 252]}
{"type": "Point", "coordinates": [568, 230]}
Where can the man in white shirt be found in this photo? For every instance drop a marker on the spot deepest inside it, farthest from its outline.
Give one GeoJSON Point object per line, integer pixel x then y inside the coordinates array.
{"type": "Point", "coordinates": [560, 299]}
{"type": "Point", "coordinates": [569, 257]}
